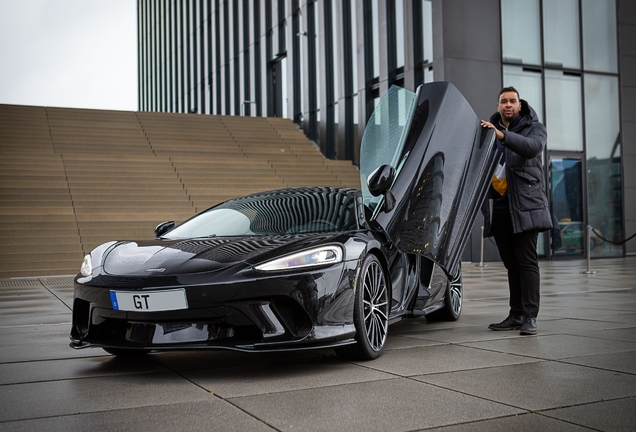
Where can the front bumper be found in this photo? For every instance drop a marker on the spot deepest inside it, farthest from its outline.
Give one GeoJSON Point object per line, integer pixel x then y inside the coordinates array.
{"type": "Point", "coordinates": [292, 311]}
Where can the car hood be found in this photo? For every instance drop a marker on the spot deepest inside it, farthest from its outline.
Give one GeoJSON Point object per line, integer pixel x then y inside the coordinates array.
{"type": "Point", "coordinates": [177, 257]}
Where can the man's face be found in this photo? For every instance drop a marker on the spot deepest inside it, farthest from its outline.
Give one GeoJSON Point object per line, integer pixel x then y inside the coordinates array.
{"type": "Point", "coordinates": [509, 106]}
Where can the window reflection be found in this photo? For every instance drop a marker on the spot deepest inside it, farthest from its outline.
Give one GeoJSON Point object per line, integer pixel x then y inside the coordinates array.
{"type": "Point", "coordinates": [599, 35]}
{"type": "Point", "coordinates": [427, 23]}
{"type": "Point", "coordinates": [376, 38]}
{"type": "Point", "coordinates": [564, 119]}
{"type": "Point", "coordinates": [427, 27]}
{"type": "Point", "coordinates": [561, 32]}
{"type": "Point", "coordinates": [520, 28]}
{"type": "Point", "coordinates": [399, 34]}
{"type": "Point", "coordinates": [567, 206]}
{"type": "Point", "coordinates": [335, 13]}
{"type": "Point", "coordinates": [354, 43]}
{"type": "Point", "coordinates": [602, 131]}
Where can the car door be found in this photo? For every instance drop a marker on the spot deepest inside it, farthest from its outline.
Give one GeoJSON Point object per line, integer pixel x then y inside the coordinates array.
{"type": "Point", "coordinates": [443, 161]}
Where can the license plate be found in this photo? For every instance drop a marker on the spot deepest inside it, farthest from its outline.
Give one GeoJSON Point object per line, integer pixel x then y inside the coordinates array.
{"type": "Point", "coordinates": [149, 301]}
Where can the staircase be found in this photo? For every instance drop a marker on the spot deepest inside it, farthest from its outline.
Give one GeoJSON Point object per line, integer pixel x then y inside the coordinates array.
{"type": "Point", "coordinates": [72, 179]}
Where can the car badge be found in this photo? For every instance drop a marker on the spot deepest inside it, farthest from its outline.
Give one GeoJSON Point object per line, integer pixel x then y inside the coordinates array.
{"type": "Point", "coordinates": [156, 270]}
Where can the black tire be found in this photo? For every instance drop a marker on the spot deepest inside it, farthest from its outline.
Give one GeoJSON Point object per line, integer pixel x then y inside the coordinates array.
{"type": "Point", "coordinates": [370, 313]}
{"type": "Point", "coordinates": [453, 299]}
{"type": "Point", "coordinates": [126, 352]}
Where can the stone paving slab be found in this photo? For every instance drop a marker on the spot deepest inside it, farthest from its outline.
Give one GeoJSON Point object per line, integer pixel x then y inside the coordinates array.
{"type": "Point", "coordinates": [620, 362]}
{"type": "Point", "coordinates": [554, 347]}
{"type": "Point", "coordinates": [396, 404]}
{"type": "Point", "coordinates": [39, 342]}
{"type": "Point", "coordinates": [577, 374]}
{"type": "Point", "coordinates": [442, 358]}
{"type": "Point", "coordinates": [614, 415]}
{"type": "Point", "coordinates": [538, 385]}
{"type": "Point", "coordinates": [530, 422]}
{"type": "Point", "coordinates": [58, 370]}
{"type": "Point", "coordinates": [199, 416]}
{"type": "Point", "coordinates": [266, 378]}
{"type": "Point", "coordinates": [75, 396]}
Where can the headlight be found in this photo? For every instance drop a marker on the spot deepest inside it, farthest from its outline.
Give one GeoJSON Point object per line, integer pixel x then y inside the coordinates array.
{"type": "Point", "coordinates": [87, 266]}
{"type": "Point", "coordinates": [313, 257]}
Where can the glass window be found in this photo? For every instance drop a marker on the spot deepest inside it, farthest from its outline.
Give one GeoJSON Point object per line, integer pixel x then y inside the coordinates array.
{"type": "Point", "coordinates": [602, 133]}
{"type": "Point", "coordinates": [335, 25]}
{"type": "Point", "coordinates": [599, 35]}
{"type": "Point", "coordinates": [318, 57]}
{"type": "Point", "coordinates": [302, 58]}
{"type": "Point", "coordinates": [566, 201]}
{"type": "Point", "coordinates": [528, 84]}
{"type": "Point", "coordinates": [384, 136]}
{"type": "Point", "coordinates": [563, 104]}
{"type": "Point", "coordinates": [283, 83]}
{"type": "Point", "coordinates": [427, 22]}
{"type": "Point", "coordinates": [354, 44]}
{"type": "Point", "coordinates": [376, 38]}
{"type": "Point", "coordinates": [521, 31]}
{"type": "Point", "coordinates": [399, 34]}
{"type": "Point", "coordinates": [561, 33]}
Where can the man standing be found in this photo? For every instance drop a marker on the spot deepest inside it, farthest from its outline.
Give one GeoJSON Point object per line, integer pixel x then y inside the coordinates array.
{"type": "Point", "coordinates": [516, 209]}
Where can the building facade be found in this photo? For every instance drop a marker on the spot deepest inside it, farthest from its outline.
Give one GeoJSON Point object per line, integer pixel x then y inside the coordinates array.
{"type": "Point", "coordinates": [326, 63]}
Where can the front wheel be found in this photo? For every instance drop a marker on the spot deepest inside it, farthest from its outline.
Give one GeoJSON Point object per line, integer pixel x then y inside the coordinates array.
{"type": "Point", "coordinates": [370, 313]}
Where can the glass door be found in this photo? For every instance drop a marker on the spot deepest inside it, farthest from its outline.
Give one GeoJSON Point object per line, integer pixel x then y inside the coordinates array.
{"type": "Point", "coordinates": [566, 205]}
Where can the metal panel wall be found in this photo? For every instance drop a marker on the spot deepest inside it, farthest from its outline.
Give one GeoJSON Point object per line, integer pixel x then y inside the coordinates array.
{"type": "Point", "coordinates": [224, 57]}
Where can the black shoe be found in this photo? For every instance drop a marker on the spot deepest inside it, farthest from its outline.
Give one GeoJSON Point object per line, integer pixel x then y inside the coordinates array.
{"type": "Point", "coordinates": [510, 323]}
{"type": "Point", "coordinates": [529, 327]}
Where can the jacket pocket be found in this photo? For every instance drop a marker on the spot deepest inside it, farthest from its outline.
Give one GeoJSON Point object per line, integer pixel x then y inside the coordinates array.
{"type": "Point", "coordinates": [529, 191]}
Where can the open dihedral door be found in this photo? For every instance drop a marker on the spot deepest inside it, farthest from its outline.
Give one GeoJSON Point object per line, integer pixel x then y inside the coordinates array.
{"type": "Point", "coordinates": [444, 162]}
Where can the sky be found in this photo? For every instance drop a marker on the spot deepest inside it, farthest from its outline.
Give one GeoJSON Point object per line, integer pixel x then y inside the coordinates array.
{"type": "Point", "coordinates": [69, 53]}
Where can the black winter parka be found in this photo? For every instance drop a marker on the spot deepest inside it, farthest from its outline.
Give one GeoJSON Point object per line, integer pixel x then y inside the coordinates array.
{"type": "Point", "coordinates": [523, 145]}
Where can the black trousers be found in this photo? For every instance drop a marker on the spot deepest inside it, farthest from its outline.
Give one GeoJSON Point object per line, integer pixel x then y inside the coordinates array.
{"type": "Point", "coordinates": [519, 255]}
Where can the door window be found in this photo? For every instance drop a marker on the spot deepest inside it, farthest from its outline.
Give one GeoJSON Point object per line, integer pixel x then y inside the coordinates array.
{"type": "Point", "coordinates": [566, 196]}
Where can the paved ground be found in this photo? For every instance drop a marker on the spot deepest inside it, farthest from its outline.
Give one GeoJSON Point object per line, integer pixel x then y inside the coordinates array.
{"type": "Point", "coordinates": [578, 374]}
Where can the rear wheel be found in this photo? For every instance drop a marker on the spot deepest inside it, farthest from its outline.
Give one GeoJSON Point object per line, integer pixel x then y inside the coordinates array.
{"type": "Point", "coordinates": [371, 313]}
{"type": "Point", "coordinates": [452, 308]}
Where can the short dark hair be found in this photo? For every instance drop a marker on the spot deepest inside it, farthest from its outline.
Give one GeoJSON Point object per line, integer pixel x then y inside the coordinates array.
{"type": "Point", "coordinates": [508, 89]}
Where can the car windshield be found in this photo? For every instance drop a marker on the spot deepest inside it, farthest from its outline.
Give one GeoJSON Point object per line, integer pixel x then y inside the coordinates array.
{"type": "Point", "coordinates": [384, 137]}
{"type": "Point", "coordinates": [288, 211]}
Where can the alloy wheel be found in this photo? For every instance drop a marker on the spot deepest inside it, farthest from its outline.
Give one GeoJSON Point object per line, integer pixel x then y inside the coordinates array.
{"type": "Point", "coordinates": [375, 301]}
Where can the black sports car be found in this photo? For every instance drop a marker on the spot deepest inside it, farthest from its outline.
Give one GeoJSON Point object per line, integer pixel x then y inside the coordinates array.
{"type": "Point", "coordinates": [306, 267]}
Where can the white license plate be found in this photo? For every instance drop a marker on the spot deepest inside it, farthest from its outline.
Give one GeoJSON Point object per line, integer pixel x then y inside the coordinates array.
{"type": "Point", "coordinates": [149, 301]}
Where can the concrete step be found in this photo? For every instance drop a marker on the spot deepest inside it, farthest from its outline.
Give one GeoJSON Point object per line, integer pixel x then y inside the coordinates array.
{"type": "Point", "coordinates": [37, 241]}
{"type": "Point", "coordinates": [25, 233]}
{"type": "Point", "coordinates": [37, 218]}
{"type": "Point", "coordinates": [35, 268]}
{"type": "Point", "coordinates": [153, 216]}
{"type": "Point", "coordinates": [124, 208]}
{"type": "Point", "coordinates": [42, 248]}
{"type": "Point", "coordinates": [71, 179]}
{"type": "Point", "coordinates": [58, 271]}
{"type": "Point", "coordinates": [14, 257]}
{"type": "Point", "coordinates": [42, 196]}
{"type": "Point", "coordinates": [31, 210]}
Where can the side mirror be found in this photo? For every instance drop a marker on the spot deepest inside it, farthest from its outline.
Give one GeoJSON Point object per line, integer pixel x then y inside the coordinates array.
{"type": "Point", "coordinates": [380, 180]}
{"type": "Point", "coordinates": [163, 228]}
